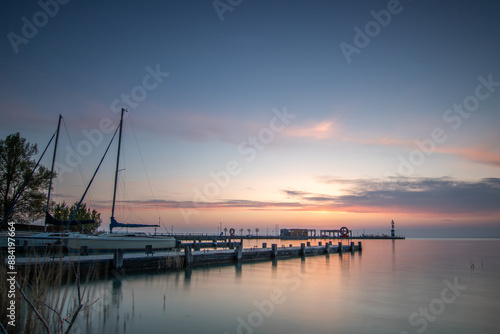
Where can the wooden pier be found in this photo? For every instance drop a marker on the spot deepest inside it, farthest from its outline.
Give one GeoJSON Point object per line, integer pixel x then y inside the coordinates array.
{"type": "Point", "coordinates": [181, 258]}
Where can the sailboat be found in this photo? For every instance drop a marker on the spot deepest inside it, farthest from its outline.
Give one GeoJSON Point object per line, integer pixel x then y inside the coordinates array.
{"type": "Point", "coordinates": [125, 241]}
{"type": "Point", "coordinates": [49, 219]}
{"type": "Point", "coordinates": [45, 239]}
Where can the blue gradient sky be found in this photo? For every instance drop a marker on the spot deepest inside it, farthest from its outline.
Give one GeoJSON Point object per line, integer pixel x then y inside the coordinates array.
{"type": "Point", "coordinates": [348, 152]}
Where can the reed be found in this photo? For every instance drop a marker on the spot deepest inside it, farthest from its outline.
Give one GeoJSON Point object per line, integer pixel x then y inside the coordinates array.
{"type": "Point", "coordinates": [48, 296]}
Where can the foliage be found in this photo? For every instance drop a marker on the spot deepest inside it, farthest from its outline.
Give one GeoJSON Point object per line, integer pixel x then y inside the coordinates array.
{"type": "Point", "coordinates": [62, 211]}
{"type": "Point", "coordinates": [16, 164]}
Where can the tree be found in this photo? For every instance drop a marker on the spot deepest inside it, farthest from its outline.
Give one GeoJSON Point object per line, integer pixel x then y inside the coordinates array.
{"type": "Point", "coordinates": [63, 212]}
{"type": "Point", "coordinates": [16, 164]}
{"type": "Point", "coordinates": [241, 231]}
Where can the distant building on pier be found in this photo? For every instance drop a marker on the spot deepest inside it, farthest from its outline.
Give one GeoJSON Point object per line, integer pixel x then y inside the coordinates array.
{"type": "Point", "coordinates": [297, 232]}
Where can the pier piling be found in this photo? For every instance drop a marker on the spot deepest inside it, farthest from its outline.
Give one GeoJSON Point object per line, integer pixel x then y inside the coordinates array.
{"type": "Point", "coordinates": [188, 257]}
{"type": "Point", "coordinates": [274, 253]}
{"type": "Point", "coordinates": [239, 253]}
{"type": "Point", "coordinates": [302, 249]}
{"type": "Point", "coordinates": [118, 259]}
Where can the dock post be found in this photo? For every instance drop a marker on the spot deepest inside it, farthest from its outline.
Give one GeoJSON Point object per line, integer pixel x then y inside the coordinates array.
{"type": "Point", "coordinates": [118, 259]}
{"type": "Point", "coordinates": [188, 257]}
{"type": "Point", "coordinates": [84, 250]}
{"type": "Point", "coordinates": [308, 244]}
{"type": "Point", "coordinates": [302, 249]}
{"type": "Point", "coordinates": [264, 245]}
{"type": "Point", "coordinates": [239, 253]}
{"type": "Point", "coordinates": [327, 248]}
{"type": "Point", "coordinates": [340, 247]}
{"type": "Point", "coordinates": [320, 243]}
{"type": "Point", "coordinates": [352, 246]}
{"type": "Point", "coordinates": [359, 245]}
{"type": "Point", "coordinates": [274, 253]}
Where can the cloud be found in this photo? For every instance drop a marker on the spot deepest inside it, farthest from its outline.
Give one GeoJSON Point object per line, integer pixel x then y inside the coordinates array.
{"type": "Point", "coordinates": [319, 130]}
{"type": "Point", "coordinates": [198, 126]}
{"type": "Point", "coordinates": [478, 155]}
{"type": "Point", "coordinates": [216, 205]}
{"type": "Point", "coordinates": [383, 141]}
{"type": "Point", "coordinates": [295, 193]}
{"type": "Point", "coordinates": [482, 154]}
{"type": "Point", "coordinates": [441, 196]}
{"type": "Point", "coordinates": [416, 195]}
{"type": "Point", "coordinates": [191, 126]}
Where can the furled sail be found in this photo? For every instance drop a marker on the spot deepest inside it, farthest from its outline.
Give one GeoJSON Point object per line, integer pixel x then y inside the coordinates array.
{"type": "Point", "coordinates": [114, 224]}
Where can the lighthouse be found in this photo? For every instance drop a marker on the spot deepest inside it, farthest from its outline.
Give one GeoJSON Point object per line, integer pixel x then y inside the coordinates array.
{"type": "Point", "coordinates": [392, 229]}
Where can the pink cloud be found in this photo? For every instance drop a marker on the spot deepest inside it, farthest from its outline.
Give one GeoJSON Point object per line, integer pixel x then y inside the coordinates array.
{"type": "Point", "coordinates": [319, 130]}
{"type": "Point", "coordinates": [384, 141]}
{"type": "Point", "coordinates": [479, 155]}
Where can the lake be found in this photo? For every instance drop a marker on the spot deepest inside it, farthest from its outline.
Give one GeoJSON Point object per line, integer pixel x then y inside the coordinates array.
{"type": "Point", "coordinates": [401, 286]}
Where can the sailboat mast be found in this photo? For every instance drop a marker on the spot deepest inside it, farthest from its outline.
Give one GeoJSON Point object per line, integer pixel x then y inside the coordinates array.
{"type": "Point", "coordinates": [52, 169]}
{"type": "Point", "coordinates": [117, 164]}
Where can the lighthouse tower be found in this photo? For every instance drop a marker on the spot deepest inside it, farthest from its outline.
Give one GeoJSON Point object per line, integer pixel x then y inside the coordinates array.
{"type": "Point", "coordinates": [392, 230]}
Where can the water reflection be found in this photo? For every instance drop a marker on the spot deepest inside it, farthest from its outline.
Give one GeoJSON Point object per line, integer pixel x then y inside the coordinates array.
{"type": "Point", "coordinates": [187, 276]}
{"type": "Point", "coordinates": [375, 291]}
{"type": "Point", "coordinates": [238, 272]}
{"type": "Point", "coordinates": [117, 294]}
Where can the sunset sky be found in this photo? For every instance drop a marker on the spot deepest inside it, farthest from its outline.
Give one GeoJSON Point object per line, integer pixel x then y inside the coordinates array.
{"type": "Point", "coordinates": [252, 114]}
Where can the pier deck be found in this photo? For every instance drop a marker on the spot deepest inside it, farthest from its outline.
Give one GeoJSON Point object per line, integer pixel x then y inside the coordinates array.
{"type": "Point", "coordinates": [179, 259]}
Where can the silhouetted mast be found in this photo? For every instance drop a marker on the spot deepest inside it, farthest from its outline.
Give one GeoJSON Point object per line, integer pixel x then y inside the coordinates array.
{"type": "Point", "coordinates": [117, 164]}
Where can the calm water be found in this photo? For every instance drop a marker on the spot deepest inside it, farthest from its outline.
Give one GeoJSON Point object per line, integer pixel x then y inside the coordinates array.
{"type": "Point", "coordinates": [404, 286]}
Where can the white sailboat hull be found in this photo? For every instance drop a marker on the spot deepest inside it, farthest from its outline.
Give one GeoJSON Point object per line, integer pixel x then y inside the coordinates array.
{"type": "Point", "coordinates": [39, 240]}
{"type": "Point", "coordinates": [111, 242]}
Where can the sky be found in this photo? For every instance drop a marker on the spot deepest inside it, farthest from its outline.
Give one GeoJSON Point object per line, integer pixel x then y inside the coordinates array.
{"type": "Point", "coordinates": [265, 114]}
